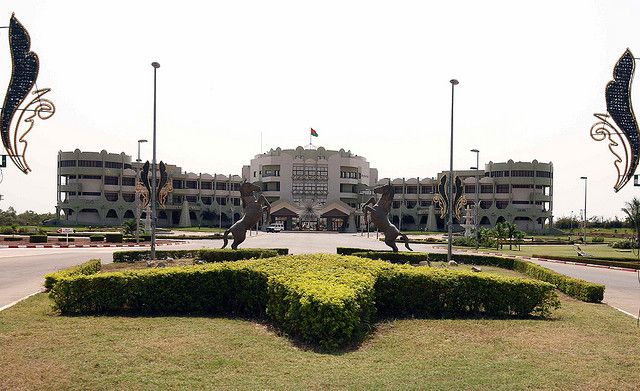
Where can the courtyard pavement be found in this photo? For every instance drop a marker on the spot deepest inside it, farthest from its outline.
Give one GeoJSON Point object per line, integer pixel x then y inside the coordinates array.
{"type": "Point", "coordinates": [22, 270]}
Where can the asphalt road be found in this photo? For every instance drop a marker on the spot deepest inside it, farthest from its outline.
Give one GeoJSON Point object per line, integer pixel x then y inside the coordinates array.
{"type": "Point", "coordinates": [22, 270]}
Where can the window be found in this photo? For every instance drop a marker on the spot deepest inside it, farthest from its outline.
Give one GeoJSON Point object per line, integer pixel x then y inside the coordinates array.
{"type": "Point", "coordinates": [348, 175]}
{"type": "Point", "coordinates": [502, 204]}
{"type": "Point", "coordinates": [221, 200]}
{"type": "Point", "coordinates": [522, 186]}
{"type": "Point", "coordinates": [235, 201]}
{"type": "Point", "coordinates": [111, 196]}
{"type": "Point", "coordinates": [470, 188]}
{"type": "Point", "coordinates": [521, 202]}
{"type": "Point", "coordinates": [412, 189]}
{"type": "Point", "coordinates": [425, 204]}
{"type": "Point", "coordinates": [502, 189]}
{"type": "Point", "coordinates": [221, 186]}
{"type": "Point", "coordinates": [235, 186]}
{"type": "Point", "coordinates": [498, 174]}
{"type": "Point", "coordinates": [89, 163]}
{"type": "Point", "coordinates": [271, 172]}
{"type": "Point", "coordinates": [127, 166]}
{"type": "Point", "coordinates": [192, 184]}
{"type": "Point", "coordinates": [396, 204]}
{"type": "Point", "coordinates": [177, 184]}
{"type": "Point", "coordinates": [129, 197]}
{"type": "Point", "coordinates": [98, 177]}
{"type": "Point", "coordinates": [128, 181]}
{"type": "Point", "coordinates": [111, 180]}
{"type": "Point", "coordinates": [113, 165]}
{"type": "Point", "coordinates": [522, 173]}
{"type": "Point", "coordinates": [192, 198]}
{"type": "Point", "coordinates": [544, 174]}
{"type": "Point", "coordinates": [297, 188]}
{"type": "Point", "coordinates": [486, 189]}
{"type": "Point", "coordinates": [176, 199]}
{"type": "Point", "coordinates": [411, 204]}
{"type": "Point", "coordinates": [397, 190]}
{"type": "Point", "coordinates": [323, 171]}
{"type": "Point", "coordinates": [426, 189]}
{"type": "Point", "coordinates": [298, 170]}
{"type": "Point", "coordinates": [485, 204]}
{"type": "Point", "coordinates": [271, 186]}
{"type": "Point", "coordinates": [67, 163]}
{"type": "Point", "coordinates": [206, 186]}
{"type": "Point", "coordinates": [206, 200]}
{"type": "Point", "coordinates": [91, 193]}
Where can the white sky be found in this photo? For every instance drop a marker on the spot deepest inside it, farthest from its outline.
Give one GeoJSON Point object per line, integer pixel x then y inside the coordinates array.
{"type": "Point", "coordinates": [369, 76]}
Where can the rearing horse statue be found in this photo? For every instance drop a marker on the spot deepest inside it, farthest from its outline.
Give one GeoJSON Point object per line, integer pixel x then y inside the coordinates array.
{"type": "Point", "coordinates": [253, 208]}
{"type": "Point", "coordinates": [380, 216]}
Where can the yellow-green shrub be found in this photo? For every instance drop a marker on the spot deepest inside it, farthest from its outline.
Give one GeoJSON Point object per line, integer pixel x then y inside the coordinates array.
{"type": "Point", "coordinates": [90, 267]}
{"type": "Point", "coordinates": [326, 300]}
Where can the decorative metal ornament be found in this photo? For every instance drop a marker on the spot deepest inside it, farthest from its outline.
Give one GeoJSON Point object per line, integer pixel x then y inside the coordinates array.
{"type": "Point", "coordinates": [442, 198]}
{"type": "Point", "coordinates": [25, 67]}
{"type": "Point", "coordinates": [620, 127]}
{"type": "Point", "coordinates": [143, 187]}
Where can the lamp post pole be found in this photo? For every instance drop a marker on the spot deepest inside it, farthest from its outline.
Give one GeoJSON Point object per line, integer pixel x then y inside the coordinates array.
{"type": "Point", "coordinates": [584, 232]}
{"type": "Point", "coordinates": [476, 206]}
{"type": "Point", "coordinates": [138, 211]}
{"type": "Point", "coordinates": [154, 184]}
{"type": "Point", "coordinates": [453, 82]}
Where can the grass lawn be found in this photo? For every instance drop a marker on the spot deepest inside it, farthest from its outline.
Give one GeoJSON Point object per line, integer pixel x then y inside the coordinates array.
{"type": "Point", "coordinates": [596, 250]}
{"type": "Point", "coordinates": [583, 347]}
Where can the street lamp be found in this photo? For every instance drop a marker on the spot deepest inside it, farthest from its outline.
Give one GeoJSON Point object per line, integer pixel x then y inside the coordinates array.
{"type": "Point", "coordinates": [454, 83]}
{"type": "Point", "coordinates": [138, 209]}
{"type": "Point", "coordinates": [584, 233]}
{"type": "Point", "coordinates": [155, 66]}
{"type": "Point", "coordinates": [477, 168]}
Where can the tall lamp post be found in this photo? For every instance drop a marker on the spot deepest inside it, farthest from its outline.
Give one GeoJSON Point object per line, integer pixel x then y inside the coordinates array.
{"type": "Point", "coordinates": [138, 210]}
{"type": "Point", "coordinates": [476, 206]}
{"type": "Point", "coordinates": [454, 83]}
{"type": "Point", "coordinates": [154, 184]}
{"type": "Point", "coordinates": [584, 232]}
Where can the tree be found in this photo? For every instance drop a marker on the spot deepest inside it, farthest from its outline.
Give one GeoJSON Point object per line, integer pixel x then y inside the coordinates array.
{"type": "Point", "coordinates": [499, 232]}
{"type": "Point", "coordinates": [129, 227]}
{"type": "Point", "coordinates": [632, 210]}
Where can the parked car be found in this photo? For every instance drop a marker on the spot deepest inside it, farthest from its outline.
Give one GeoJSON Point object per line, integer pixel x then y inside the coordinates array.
{"type": "Point", "coordinates": [275, 227]}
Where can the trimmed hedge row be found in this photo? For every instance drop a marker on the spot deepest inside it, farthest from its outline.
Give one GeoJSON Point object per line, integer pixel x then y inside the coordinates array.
{"type": "Point", "coordinates": [605, 261]}
{"type": "Point", "coordinates": [412, 258]}
{"type": "Point", "coordinates": [574, 287]}
{"type": "Point", "coordinates": [90, 267]}
{"type": "Point", "coordinates": [351, 250]}
{"type": "Point", "coordinates": [326, 300]}
{"type": "Point", "coordinates": [207, 255]}
{"type": "Point", "coordinates": [38, 239]}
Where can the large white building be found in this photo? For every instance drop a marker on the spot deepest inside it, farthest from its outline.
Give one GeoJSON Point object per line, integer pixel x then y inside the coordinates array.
{"type": "Point", "coordinates": [308, 188]}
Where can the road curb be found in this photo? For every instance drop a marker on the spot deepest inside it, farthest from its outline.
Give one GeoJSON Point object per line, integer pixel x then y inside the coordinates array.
{"type": "Point", "coordinates": [19, 300]}
{"type": "Point", "coordinates": [84, 245]}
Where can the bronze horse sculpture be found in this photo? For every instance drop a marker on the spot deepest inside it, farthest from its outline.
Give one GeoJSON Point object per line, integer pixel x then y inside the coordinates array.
{"type": "Point", "coordinates": [380, 216]}
{"type": "Point", "coordinates": [253, 209]}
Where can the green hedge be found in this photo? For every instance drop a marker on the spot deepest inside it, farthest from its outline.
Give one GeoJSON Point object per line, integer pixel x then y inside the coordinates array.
{"type": "Point", "coordinates": [412, 258]}
{"type": "Point", "coordinates": [351, 250]}
{"type": "Point", "coordinates": [38, 239]}
{"type": "Point", "coordinates": [90, 267]}
{"type": "Point", "coordinates": [574, 287]}
{"type": "Point", "coordinates": [96, 238]}
{"type": "Point", "coordinates": [326, 300]}
{"type": "Point", "coordinates": [207, 255]}
{"type": "Point", "coordinates": [115, 237]}
{"type": "Point", "coordinates": [604, 261]}
{"type": "Point", "coordinates": [12, 239]}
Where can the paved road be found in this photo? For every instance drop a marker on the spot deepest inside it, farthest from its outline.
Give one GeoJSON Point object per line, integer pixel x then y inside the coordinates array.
{"type": "Point", "coordinates": [21, 270]}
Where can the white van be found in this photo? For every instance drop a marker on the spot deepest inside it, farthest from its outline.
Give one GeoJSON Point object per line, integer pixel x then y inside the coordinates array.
{"type": "Point", "coordinates": [276, 227]}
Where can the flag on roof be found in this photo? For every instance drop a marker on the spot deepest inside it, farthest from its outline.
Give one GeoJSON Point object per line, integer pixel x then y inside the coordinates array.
{"type": "Point", "coordinates": [314, 133]}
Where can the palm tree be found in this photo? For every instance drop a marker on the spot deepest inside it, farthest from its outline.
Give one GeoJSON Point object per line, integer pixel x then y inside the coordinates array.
{"type": "Point", "coordinates": [632, 210]}
{"type": "Point", "coordinates": [499, 232]}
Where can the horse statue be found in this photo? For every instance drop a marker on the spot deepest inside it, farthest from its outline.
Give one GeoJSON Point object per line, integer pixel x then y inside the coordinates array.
{"type": "Point", "coordinates": [253, 209]}
{"type": "Point", "coordinates": [380, 216]}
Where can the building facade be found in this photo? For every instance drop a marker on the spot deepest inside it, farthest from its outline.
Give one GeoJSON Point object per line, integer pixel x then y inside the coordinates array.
{"type": "Point", "coordinates": [308, 188]}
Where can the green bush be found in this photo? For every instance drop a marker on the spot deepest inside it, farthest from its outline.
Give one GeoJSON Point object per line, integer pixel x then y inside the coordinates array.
{"type": "Point", "coordinates": [597, 239]}
{"type": "Point", "coordinates": [603, 261]}
{"type": "Point", "coordinates": [207, 255]}
{"type": "Point", "coordinates": [326, 300]}
{"type": "Point", "coordinates": [113, 237]}
{"type": "Point", "coordinates": [96, 238]}
{"type": "Point", "coordinates": [90, 267]}
{"type": "Point", "coordinates": [623, 244]}
{"type": "Point", "coordinates": [12, 239]}
{"type": "Point", "coordinates": [579, 289]}
{"type": "Point", "coordinates": [351, 250]}
{"type": "Point", "coordinates": [412, 258]}
{"type": "Point", "coordinates": [38, 239]}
